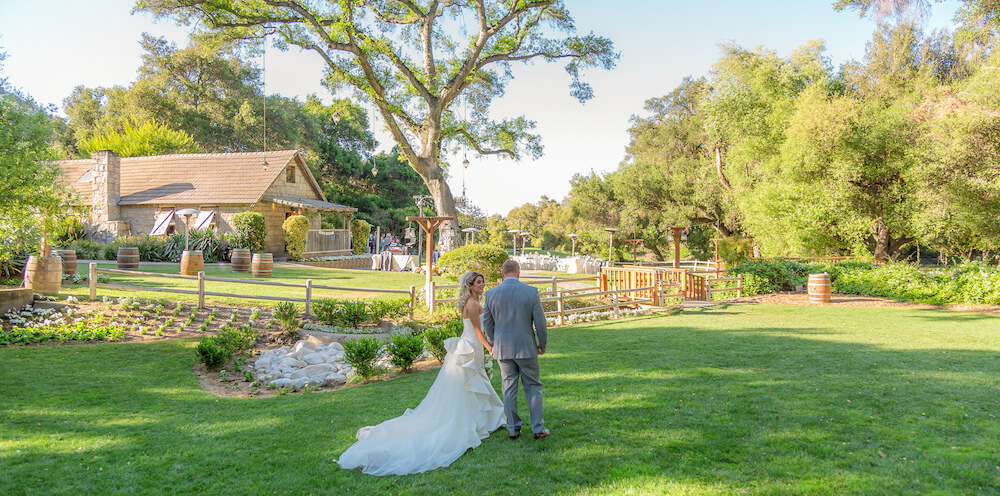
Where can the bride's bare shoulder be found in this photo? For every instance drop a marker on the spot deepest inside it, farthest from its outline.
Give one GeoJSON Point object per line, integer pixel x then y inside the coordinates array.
{"type": "Point", "coordinates": [472, 307]}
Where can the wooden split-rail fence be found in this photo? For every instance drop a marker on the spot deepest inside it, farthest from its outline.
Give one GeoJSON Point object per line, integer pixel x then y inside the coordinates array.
{"type": "Point", "coordinates": [307, 287]}
{"type": "Point", "coordinates": [616, 298]}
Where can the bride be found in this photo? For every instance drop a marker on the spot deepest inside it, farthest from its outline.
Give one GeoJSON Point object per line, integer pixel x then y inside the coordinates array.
{"type": "Point", "coordinates": [460, 409]}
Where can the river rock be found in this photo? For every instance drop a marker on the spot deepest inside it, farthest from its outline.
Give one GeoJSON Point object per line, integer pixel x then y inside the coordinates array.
{"type": "Point", "coordinates": [335, 379]}
{"type": "Point", "coordinates": [315, 358]}
{"type": "Point", "coordinates": [304, 345]}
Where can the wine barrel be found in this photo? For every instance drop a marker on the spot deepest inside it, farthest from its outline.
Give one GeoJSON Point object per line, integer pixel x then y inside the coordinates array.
{"type": "Point", "coordinates": [819, 288]}
{"type": "Point", "coordinates": [128, 257]}
{"type": "Point", "coordinates": [43, 274]}
{"type": "Point", "coordinates": [192, 262]}
{"type": "Point", "coordinates": [262, 265]}
{"type": "Point", "coordinates": [240, 258]}
{"type": "Point", "coordinates": [68, 261]}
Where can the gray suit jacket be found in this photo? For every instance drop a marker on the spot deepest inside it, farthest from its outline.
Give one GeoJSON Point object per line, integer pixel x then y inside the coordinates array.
{"type": "Point", "coordinates": [512, 319]}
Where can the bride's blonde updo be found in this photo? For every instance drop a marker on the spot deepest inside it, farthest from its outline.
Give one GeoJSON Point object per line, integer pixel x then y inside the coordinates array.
{"type": "Point", "coordinates": [465, 288]}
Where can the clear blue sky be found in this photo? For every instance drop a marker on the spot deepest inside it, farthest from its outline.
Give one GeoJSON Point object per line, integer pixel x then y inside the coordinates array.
{"type": "Point", "coordinates": [55, 45]}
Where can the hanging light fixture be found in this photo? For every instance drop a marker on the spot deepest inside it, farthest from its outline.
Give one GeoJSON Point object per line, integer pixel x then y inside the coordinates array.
{"type": "Point", "coordinates": [465, 164]}
{"type": "Point", "coordinates": [263, 78]}
{"type": "Point", "coordinates": [374, 169]}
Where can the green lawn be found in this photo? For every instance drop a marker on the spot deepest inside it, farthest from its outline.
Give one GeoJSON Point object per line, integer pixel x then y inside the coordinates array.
{"type": "Point", "coordinates": [282, 273]}
{"type": "Point", "coordinates": [737, 399]}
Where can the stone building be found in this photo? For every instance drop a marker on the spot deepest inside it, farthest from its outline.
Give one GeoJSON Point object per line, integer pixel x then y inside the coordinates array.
{"type": "Point", "coordinates": [141, 195]}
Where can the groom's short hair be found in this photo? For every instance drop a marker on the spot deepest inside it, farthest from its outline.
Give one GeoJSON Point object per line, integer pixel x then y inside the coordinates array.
{"type": "Point", "coordinates": [510, 267]}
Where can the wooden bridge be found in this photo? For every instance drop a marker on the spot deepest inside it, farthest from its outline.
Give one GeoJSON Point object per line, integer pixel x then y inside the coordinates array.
{"type": "Point", "coordinates": [688, 283]}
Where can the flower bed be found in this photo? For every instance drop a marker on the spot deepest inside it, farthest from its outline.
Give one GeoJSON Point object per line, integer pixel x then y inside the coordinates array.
{"type": "Point", "coordinates": [339, 262]}
{"type": "Point", "coordinates": [38, 325]}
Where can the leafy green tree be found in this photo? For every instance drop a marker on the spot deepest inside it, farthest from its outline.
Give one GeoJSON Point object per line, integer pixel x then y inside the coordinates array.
{"type": "Point", "coordinates": [33, 201]}
{"type": "Point", "coordinates": [412, 62]}
{"type": "Point", "coordinates": [139, 140]}
{"type": "Point", "coordinates": [207, 90]}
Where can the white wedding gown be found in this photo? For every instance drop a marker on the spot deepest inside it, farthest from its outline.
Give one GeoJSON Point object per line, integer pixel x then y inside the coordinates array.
{"type": "Point", "coordinates": [460, 409]}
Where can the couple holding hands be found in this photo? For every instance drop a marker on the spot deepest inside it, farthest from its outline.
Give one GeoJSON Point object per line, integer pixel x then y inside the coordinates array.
{"type": "Point", "coordinates": [461, 407]}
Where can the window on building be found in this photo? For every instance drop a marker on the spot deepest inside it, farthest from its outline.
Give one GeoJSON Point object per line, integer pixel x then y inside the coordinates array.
{"type": "Point", "coordinates": [290, 174]}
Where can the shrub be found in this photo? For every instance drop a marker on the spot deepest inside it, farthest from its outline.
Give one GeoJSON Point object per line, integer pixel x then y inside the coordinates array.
{"type": "Point", "coordinates": [485, 259]}
{"type": "Point", "coordinates": [395, 308]}
{"type": "Point", "coordinates": [68, 230]}
{"type": "Point", "coordinates": [212, 245]}
{"type": "Point", "coordinates": [215, 350]}
{"type": "Point", "coordinates": [325, 309]}
{"type": "Point", "coordinates": [352, 313]}
{"type": "Point", "coordinates": [341, 312]}
{"type": "Point", "coordinates": [236, 340]}
{"type": "Point", "coordinates": [435, 338]}
{"type": "Point", "coordinates": [211, 353]}
{"type": "Point", "coordinates": [86, 249]}
{"type": "Point", "coordinates": [360, 230]}
{"type": "Point", "coordinates": [295, 227]}
{"type": "Point", "coordinates": [404, 349]}
{"type": "Point", "coordinates": [249, 231]}
{"type": "Point", "coordinates": [764, 276]}
{"type": "Point", "coordinates": [287, 314]}
{"type": "Point", "coordinates": [362, 353]}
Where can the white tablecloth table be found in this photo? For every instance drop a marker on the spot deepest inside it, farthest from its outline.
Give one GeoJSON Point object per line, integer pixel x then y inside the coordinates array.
{"type": "Point", "coordinates": [404, 262]}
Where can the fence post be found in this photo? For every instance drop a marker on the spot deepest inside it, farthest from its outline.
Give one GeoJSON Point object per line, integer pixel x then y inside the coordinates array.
{"type": "Point", "coordinates": [739, 286]}
{"type": "Point", "coordinates": [708, 289]}
{"type": "Point", "coordinates": [201, 289]}
{"type": "Point", "coordinates": [93, 281]}
{"type": "Point", "coordinates": [413, 299]}
{"type": "Point", "coordinates": [309, 293]}
{"type": "Point", "coordinates": [431, 296]}
{"type": "Point", "coordinates": [658, 295]}
{"type": "Point", "coordinates": [555, 287]}
{"type": "Point", "coordinates": [559, 308]}
{"type": "Point", "coordinates": [614, 300]}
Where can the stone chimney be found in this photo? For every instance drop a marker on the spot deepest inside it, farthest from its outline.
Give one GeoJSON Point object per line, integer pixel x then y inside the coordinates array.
{"type": "Point", "coordinates": [106, 191]}
{"type": "Point", "coordinates": [106, 186]}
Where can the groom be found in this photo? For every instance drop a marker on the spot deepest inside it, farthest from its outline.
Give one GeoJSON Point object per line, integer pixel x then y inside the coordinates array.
{"type": "Point", "coordinates": [512, 319]}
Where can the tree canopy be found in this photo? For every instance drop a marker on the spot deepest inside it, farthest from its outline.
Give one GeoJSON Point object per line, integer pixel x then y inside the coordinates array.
{"type": "Point", "coordinates": [414, 62]}
{"type": "Point", "coordinates": [32, 198]}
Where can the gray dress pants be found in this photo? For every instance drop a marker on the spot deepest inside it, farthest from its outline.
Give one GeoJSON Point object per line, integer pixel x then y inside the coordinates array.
{"type": "Point", "coordinates": [527, 370]}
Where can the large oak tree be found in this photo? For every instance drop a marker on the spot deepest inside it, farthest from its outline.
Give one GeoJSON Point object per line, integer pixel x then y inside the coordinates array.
{"type": "Point", "coordinates": [414, 61]}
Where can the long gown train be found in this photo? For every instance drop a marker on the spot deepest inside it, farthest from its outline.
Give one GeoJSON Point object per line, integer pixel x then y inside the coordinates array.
{"type": "Point", "coordinates": [460, 409]}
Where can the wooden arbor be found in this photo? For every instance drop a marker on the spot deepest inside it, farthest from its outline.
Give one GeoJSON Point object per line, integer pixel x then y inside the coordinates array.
{"type": "Point", "coordinates": [429, 225]}
{"type": "Point", "coordinates": [635, 243]}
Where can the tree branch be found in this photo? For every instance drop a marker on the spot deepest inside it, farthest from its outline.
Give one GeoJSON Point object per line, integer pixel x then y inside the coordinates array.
{"type": "Point", "coordinates": [480, 150]}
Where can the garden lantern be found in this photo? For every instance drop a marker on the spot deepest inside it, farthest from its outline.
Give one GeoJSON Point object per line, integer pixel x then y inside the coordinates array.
{"type": "Point", "coordinates": [573, 237]}
{"type": "Point", "coordinates": [187, 213]}
{"type": "Point", "coordinates": [611, 238]}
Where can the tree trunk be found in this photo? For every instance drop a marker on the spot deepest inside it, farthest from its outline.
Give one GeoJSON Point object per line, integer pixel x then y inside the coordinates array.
{"type": "Point", "coordinates": [656, 252]}
{"type": "Point", "coordinates": [718, 169]}
{"type": "Point", "coordinates": [882, 240]}
{"type": "Point", "coordinates": [444, 203]}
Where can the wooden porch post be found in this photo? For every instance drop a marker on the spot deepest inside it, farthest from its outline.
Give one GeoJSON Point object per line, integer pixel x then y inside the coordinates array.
{"type": "Point", "coordinates": [429, 225]}
{"type": "Point", "coordinates": [677, 246]}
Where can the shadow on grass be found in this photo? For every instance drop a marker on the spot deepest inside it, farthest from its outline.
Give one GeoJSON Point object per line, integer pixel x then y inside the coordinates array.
{"type": "Point", "coordinates": [700, 400]}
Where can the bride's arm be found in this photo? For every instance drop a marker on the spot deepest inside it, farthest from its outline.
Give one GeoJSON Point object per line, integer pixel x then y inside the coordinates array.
{"type": "Point", "coordinates": [473, 309]}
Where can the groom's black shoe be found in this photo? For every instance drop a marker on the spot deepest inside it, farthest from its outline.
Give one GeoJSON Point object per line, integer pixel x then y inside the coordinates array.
{"type": "Point", "coordinates": [516, 434]}
{"type": "Point", "coordinates": [542, 435]}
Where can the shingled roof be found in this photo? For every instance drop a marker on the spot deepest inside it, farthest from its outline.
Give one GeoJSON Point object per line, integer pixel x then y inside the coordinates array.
{"type": "Point", "coordinates": [191, 179]}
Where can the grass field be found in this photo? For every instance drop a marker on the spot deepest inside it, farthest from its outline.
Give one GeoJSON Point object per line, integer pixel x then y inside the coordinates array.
{"type": "Point", "coordinates": [737, 399]}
